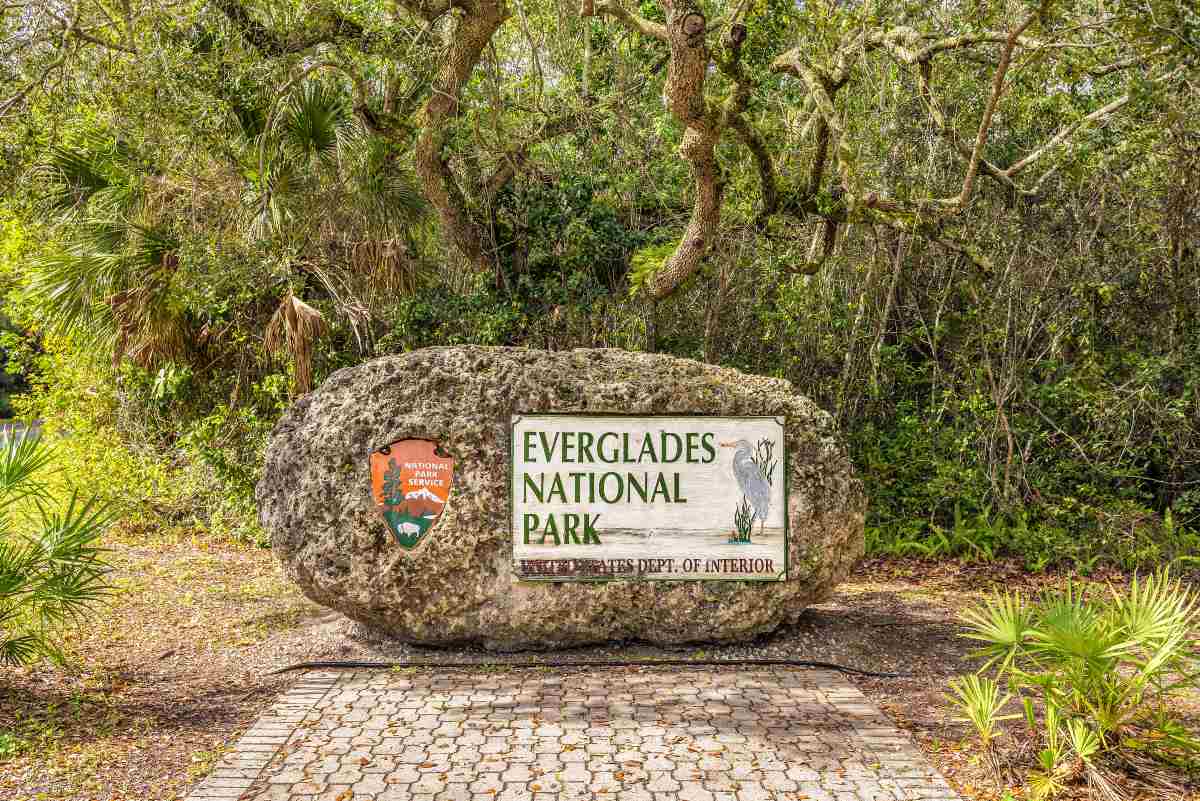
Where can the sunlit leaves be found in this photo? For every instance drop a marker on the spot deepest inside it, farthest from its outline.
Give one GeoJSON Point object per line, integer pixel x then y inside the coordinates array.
{"type": "Point", "coordinates": [51, 564]}
{"type": "Point", "coordinates": [1103, 667]}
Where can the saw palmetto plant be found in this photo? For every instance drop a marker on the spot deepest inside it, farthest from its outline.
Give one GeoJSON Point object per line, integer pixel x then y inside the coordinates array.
{"type": "Point", "coordinates": [307, 178]}
{"type": "Point", "coordinates": [52, 569]}
{"type": "Point", "coordinates": [1106, 669]}
{"type": "Point", "coordinates": [112, 279]}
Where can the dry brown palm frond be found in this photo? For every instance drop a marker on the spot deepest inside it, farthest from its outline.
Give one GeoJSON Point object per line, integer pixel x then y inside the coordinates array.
{"type": "Point", "coordinates": [1150, 775]}
{"type": "Point", "coordinates": [149, 333]}
{"type": "Point", "coordinates": [384, 268]}
{"type": "Point", "coordinates": [293, 329]}
{"type": "Point", "coordinates": [1102, 786]}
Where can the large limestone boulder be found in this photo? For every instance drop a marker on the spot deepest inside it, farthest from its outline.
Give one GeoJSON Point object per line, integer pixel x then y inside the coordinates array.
{"type": "Point", "coordinates": [457, 585]}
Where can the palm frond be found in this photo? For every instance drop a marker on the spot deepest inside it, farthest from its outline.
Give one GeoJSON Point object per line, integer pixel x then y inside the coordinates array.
{"type": "Point", "coordinates": [980, 701]}
{"type": "Point", "coordinates": [72, 176]}
{"type": "Point", "coordinates": [151, 331]}
{"type": "Point", "coordinates": [383, 184]}
{"type": "Point", "coordinates": [293, 330]}
{"type": "Point", "coordinates": [1155, 609]}
{"type": "Point", "coordinates": [315, 120]}
{"type": "Point", "coordinates": [22, 456]}
{"type": "Point", "coordinates": [1003, 623]}
{"type": "Point", "coordinates": [276, 194]}
{"type": "Point", "coordinates": [21, 649]}
{"type": "Point", "coordinates": [50, 577]}
{"type": "Point", "coordinates": [94, 170]}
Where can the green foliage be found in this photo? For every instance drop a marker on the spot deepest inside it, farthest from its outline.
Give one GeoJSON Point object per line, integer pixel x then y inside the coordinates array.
{"type": "Point", "coordinates": [979, 699]}
{"type": "Point", "coordinates": [51, 564]}
{"type": "Point", "coordinates": [153, 219]}
{"type": "Point", "coordinates": [114, 429]}
{"type": "Point", "coordinates": [1106, 670]}
{"type": "Point", "coordinates": [743, 521]}
{"type": "Point", "coordinates": [10, 745]}
{"type": "Point", "coordinates": [316, 119]}
{"type": "Point", "coordinates": [646, 262]}
{"type": "Point", "coordinates": [763, 459]}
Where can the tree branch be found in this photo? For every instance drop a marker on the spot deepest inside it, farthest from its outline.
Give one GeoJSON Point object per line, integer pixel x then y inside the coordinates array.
{"type": "Point", "coordinates": [337, 28]}
{"type": "Point", "coordinates": [516, 157]}
{"type": "Point", "coordinates": [989, 111]}
{"type": "Point", "coordinates": [472, 33]}
{"type": "Point", "coordinates": [631, 21]}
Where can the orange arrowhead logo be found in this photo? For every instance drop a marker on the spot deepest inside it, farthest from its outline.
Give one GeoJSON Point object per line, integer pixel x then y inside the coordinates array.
{"type": "Point", "coordinates": [411, 482]}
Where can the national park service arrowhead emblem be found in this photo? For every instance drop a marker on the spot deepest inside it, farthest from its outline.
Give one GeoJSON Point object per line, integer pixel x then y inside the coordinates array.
{"type": "Point", "coordinates": [411, 480]}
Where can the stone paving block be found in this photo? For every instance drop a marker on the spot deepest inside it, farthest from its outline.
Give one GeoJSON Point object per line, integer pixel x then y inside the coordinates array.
{"type": "Point", "coordinates": [655, 734]}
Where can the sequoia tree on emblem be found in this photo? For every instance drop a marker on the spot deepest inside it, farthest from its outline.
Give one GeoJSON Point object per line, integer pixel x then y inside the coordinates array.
{"type": "Point", "coordinates": [411, 484]}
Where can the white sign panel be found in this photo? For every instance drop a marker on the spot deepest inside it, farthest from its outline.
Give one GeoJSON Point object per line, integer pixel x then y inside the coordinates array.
{"type": "Point", "coordinates": [604, 497]}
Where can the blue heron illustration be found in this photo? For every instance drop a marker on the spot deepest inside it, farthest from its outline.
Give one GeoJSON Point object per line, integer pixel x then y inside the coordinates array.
{"type": "Point", "coordinates": [749, 474]}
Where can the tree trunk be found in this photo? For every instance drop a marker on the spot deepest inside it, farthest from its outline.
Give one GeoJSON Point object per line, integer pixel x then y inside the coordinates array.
{"type": "Point", "coordinates": [684, 96]}
{"type": "Point", "coordinates": [471, 35]}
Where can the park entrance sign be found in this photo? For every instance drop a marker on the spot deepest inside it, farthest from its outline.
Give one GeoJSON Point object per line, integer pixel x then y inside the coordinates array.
{"type": "Point", "coordinates": [518, 498]}
{"type": "Point", "coordinates": [598, 497]}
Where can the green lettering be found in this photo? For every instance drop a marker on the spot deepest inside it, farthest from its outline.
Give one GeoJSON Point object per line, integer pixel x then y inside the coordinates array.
{"type": "Point", "coordinates": [613, 454]}
{"type": "Point", "coordinates": [556, 488]}
{"type": "Point", "coordinates": [693, 445]}
{"type": "Point", "coordinates": [678, 495]}
{"type": "Point", "coordinates": [585, 447]}
{"type": "Point", "coordinates": [604, 496]}
{"type": "Point", "coordinates": [529, 446]}
{"type": "Point", "coordinates": [531, 524]}
{"type": "Point", "coordinates": [589, 530]}
{"type": "Point", "coordinates": [570, 524]}
{"type": "Point", "coordinates": [647, 445]}
{"type": "Point", "coordinates": [537, 488]}
{"type": "Point", "coordinates": [638, 487]}
{"type": "Point", "coordinates": [550, 530]}
{"type": "Point", "coordinates": [548, 446]}
{"type": "Point", "coordinates": [666, 438]}
{"type": "Point", "coordinates": [706, 442]}
{"type": "Point", "coordinates": [660, 486]}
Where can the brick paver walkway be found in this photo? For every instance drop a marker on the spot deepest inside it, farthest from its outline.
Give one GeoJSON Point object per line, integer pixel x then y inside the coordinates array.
{"type": "Point", "coordinates": [646, 734]}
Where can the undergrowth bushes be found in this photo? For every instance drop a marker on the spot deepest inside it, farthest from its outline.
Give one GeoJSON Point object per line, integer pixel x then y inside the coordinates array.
{"type": "Point", "coordinates": [155, 482]}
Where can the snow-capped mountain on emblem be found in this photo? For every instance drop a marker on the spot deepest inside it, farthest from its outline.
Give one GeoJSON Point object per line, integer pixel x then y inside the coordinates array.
{"type": "Point", "coordinates": [424, 493]}
{"type": "Point", "coordinates": [410, 480]}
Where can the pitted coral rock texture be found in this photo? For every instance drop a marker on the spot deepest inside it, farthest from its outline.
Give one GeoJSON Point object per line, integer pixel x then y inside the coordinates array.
{"type": "Point", "coordinates": [456, 585]}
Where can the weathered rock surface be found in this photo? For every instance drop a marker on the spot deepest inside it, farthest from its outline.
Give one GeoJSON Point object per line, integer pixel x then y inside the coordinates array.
{"type": "Point", "coordinates": [456, 585]}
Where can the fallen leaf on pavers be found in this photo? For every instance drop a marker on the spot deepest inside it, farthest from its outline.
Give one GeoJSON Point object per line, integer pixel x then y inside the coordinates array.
{"type": "Point", "coordinates": [345, 795]}
{"type": "Point", "coordinates": [364, 761]}
{"type": "Point", "coordinates": [425, 765]}
{"type": "Point", "coordinates": [536, 787]}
